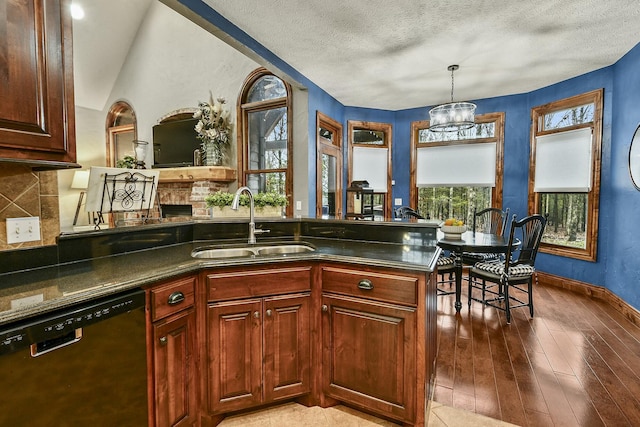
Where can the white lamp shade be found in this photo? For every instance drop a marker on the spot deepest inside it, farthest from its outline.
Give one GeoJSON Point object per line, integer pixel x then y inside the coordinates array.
{"type": "Point", "coordinates": [80, 180]}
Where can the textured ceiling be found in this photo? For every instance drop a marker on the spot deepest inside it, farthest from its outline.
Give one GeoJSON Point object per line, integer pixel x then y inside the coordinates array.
{"type": "Point", "coordinates": [391, 55]}
{"type": "Point", "coordinates": [394, 55]}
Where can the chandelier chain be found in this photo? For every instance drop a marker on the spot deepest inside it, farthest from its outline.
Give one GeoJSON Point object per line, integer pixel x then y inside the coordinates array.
{"type": "Point", "coordinates": [452, 69]}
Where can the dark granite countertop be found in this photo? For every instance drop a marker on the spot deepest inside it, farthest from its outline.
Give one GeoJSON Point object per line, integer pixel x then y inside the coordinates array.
{"type": "Point", "coordinates": [35, 291]}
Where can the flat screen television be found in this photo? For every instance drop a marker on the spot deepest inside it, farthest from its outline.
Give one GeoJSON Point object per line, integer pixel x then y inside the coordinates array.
{"type": "Point", "coordinates": [174, 143]}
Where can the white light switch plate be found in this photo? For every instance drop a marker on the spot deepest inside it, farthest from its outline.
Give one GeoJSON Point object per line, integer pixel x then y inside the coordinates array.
{"type": "Point", "coordinates": [398, 201]}
{"type": "Point", "coordinates": [21, 230]}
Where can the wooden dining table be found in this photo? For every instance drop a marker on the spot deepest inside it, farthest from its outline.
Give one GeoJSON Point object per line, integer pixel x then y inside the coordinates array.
{"type": "Point", "coordinates": [470, 242]}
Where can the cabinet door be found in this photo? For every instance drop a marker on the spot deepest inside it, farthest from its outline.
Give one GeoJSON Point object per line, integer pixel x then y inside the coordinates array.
{"type": "Point", "coordinates": [286, 346]}
{"type": "Point", "coordinates": [37, 109]}
{"type": "Point", "coordinates": [369, 355]}
{"type": "Point", "coordinates": [174, 370]}
{"type": "Point", "coordinates": [235, 355]}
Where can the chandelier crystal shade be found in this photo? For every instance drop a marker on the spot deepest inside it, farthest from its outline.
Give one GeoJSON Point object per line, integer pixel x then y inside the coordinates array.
{"type": "Point", "coordinates": [452, 116]}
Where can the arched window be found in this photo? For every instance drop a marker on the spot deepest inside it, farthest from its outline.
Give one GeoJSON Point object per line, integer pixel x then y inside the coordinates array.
{"type": "Point", "coordinates": [264, 135]}
{"type": "Point", "coordinates": [121, 132]}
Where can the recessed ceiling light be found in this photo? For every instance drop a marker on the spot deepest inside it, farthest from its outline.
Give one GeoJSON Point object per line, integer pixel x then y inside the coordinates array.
{"type": "Point", "coordinates": [77, 12]}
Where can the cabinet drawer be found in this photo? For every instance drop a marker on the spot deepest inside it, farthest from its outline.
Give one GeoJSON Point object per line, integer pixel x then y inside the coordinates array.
{"type": "Point", "coordinates": [372, 285]}
{"type": "Point", "coordinates": [172, 297]}
{"type": "Point", "coordinates": [236, 284]}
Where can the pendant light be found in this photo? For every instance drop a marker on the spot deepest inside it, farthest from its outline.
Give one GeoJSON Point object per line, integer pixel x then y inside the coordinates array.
{"type": "Point", "coordinates": [453, 116]}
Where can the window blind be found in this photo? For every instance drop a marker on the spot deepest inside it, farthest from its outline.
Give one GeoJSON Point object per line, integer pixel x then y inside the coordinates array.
{"type": "Point", "coordinates": [457, 165]}
{"type": "Point", "coordinates": [370, 164]}
{"type": "Point", "coordinates": [564, 162]}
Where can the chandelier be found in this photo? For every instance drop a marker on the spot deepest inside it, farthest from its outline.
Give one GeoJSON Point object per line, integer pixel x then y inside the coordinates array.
{"type": "Point", "coordinates": [452, 116]}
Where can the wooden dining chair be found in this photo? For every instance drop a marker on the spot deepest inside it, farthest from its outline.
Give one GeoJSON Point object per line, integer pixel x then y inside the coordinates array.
{"type": "Point", "coordinates": [491, 221]}
{"type": "Point", "coordinates": [497, 280]}
{"type": "Point", "coordinates": [405, 212]}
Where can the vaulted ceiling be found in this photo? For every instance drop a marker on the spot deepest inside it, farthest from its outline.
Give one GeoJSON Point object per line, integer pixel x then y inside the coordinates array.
{"type": "Point", "coordinates": [394, 55]}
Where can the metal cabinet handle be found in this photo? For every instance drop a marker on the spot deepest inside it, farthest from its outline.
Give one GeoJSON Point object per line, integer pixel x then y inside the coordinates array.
{"type": "Point", "coordinates": [365, 284]}
{"type": "Point", "coordinates": [325, 308]}
{"type": "Point", "coordinates": [269, 313]}
{"type": "Point", "coordinates": [256, 314]}
{"type": "Point", "coordinates": [175, 298]}
{"type": "Point", "coordinates": [163, 340]}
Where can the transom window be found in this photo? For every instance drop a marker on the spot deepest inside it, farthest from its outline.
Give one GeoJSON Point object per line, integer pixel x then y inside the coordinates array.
{"type": "Point", "coordinates": [265, 146]}
{"type": "Point", "coordinates": [564, 166]}
{"type": "Point", "coordinates": [456, 172]}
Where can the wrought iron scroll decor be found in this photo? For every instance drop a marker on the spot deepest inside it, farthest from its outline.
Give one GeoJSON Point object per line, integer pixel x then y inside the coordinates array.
{"type": "Point", "coordinates": [128, 191]}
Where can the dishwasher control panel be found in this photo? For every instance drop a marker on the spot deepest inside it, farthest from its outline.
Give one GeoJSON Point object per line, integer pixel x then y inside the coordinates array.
{"type": "Point", "coordinates": [14, 337]}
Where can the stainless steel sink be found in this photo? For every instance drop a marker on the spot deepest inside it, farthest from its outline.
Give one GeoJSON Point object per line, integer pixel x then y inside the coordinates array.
{"type": "Point", "coordinates": [284, 249]}
{"type": "Point", "coordinates": [218, 253]}
{"type": "Point", "coordinates": [253, 251]}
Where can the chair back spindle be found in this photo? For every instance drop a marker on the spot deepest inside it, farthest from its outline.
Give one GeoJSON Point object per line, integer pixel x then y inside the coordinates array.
{"type": "Point", "coordinates": [490, 220]}
{"type": "Point", "coordinates": [529, 231]}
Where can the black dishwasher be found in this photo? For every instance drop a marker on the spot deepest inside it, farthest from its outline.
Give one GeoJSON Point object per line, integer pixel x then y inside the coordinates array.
{"type": "Point", "coordinates": [82, 366]}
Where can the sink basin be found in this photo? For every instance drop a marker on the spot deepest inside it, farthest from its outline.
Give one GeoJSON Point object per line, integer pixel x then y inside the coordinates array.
{"type": "Point", "coordinates": [284, 249]}
{"type": "Point", "coordinates": [247, 252]}
{"type": "Point", "coordinates": [218, 253]}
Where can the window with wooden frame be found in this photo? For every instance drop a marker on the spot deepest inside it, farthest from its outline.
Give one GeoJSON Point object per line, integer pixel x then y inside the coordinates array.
{"type": "Point", "coordinates": [265, 147]}
{"type": "Point", "coordinates": [564, 173]}
{"type": "Point", "coordinates": [328, 167]}
{"type": "Point", "coordinates": [121, 132]}
{"type": "Point", "coordinates": [454, 172]}
{"type": "Point", "coordinates": [370, 160]}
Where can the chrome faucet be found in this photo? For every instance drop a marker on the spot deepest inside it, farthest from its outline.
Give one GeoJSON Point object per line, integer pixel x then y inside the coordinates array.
{"type": "Point", "coordinates": [252, 224]}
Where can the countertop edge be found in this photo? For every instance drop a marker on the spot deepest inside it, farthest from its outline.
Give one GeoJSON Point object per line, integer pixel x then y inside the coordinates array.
{"type": "Point", "coordinates": [195, 266]}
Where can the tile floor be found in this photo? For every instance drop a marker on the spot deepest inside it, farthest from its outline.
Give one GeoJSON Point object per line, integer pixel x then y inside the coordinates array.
{"type": "Point", "coordinates": [296, 415]}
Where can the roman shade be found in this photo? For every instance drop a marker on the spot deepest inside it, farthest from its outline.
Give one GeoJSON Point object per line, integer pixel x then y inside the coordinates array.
{"type": "Point", "coordinates": [370, 164]}
{"type": "Point", "coordinates": [457, 165]}
{"type": "Point", "coordinates": [564, 162]}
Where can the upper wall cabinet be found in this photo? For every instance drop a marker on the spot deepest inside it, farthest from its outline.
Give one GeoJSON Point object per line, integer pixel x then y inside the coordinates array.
{"type": "Point", "coordinates": [37, 124]}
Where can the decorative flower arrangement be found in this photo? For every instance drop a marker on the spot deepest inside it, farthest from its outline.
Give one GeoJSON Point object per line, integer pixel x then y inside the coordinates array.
{"type": "Point", "coordinates": [213, 129]}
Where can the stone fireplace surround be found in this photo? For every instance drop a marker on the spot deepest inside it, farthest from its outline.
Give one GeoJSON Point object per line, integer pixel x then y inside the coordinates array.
{"type": "Point", "coordinates": [190, 185]}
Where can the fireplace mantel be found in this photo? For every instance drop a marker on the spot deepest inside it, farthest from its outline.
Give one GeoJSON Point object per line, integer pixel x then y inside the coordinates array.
{"type": "Point", "coordinates": [190, 185]}
{"type": "Point", "coordinates": [198, 173]}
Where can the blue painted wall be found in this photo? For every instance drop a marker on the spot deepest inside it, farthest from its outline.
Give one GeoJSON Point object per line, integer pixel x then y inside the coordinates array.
{"type": "Point", "coordinates": [618, 242]}
{"type": "Point", "coordinates": [319, 100]}
{"type": "Point", "coordinates": [621, 200]}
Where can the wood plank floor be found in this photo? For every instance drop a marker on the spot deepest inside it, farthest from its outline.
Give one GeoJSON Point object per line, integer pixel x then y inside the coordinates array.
{"type": "Point", "coordinates": [576, 363]}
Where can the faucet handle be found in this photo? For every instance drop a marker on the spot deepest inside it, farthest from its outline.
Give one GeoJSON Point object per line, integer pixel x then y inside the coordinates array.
{"type": "Point", "coordinates": [261, 231]}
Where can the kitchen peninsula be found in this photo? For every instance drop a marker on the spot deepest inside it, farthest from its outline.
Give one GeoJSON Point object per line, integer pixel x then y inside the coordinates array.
{"type": "Point", "coordinates": [352, 321]}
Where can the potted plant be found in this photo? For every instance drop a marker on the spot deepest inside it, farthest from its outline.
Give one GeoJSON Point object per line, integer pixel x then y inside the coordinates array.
{"type": "Point", "coordinates": [266, 204]}
{"type": "Point", "coordinates": [128, 162]}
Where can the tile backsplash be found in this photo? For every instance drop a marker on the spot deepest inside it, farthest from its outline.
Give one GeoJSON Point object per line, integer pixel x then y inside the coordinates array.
{"type": "Point", "coordinates": [25, 193]}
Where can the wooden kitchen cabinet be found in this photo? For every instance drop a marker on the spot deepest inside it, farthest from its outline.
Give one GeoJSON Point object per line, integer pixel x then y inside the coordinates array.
{"type": "Point", "coordinates": [258, 329]}
{"type": "Point", "coordinates": [37, 124]}
{"type": "Point", "coordinates": [173, 334]}
{"type": "Point", "coordinates": [372, 354]}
